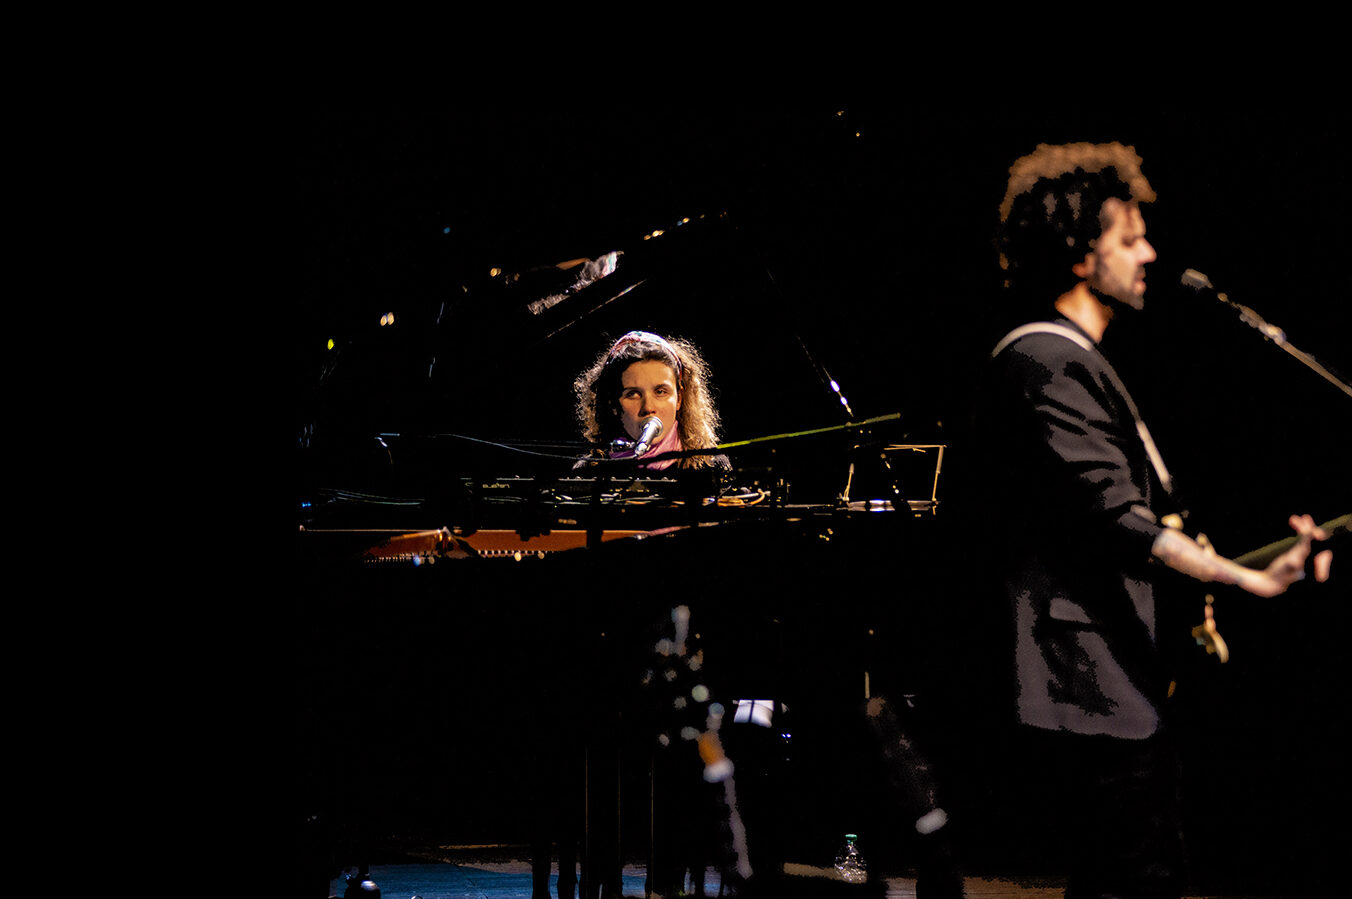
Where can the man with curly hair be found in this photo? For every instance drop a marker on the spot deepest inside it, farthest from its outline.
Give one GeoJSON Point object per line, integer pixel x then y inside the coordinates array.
{"type": "Point", "coordinates": [1066, 454]}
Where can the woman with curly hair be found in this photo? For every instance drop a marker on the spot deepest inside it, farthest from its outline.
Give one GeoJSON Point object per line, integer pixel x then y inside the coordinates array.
{"type": "Point", "coordinates": [642, 377]}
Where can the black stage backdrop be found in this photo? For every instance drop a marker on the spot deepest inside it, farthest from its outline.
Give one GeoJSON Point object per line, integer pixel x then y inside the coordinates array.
{"type": "Point", "coordinates": [801, 243]}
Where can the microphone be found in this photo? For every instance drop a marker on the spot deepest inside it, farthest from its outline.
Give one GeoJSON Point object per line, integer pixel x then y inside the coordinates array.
{"type": "Point", "coordinates": [1196, 280]}
{"type": "Point", "coordinates": [1202, 284]}
{"type": "Point", "coordinates": [652, 429]}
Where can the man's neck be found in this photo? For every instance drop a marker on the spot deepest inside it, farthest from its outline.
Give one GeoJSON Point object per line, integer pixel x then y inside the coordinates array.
{"type": "Point", "coordinates": [1086, 310]}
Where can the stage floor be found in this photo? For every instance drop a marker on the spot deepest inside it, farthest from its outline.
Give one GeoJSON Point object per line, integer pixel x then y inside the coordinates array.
{"type": "Point", "coordinates": [503, 872]}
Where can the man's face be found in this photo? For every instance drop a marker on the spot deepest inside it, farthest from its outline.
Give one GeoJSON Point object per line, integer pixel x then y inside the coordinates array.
{"type": "Point", "coordinates": [1116, 266]}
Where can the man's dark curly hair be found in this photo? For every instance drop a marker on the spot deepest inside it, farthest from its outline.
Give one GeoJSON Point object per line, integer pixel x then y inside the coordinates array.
{"type": "Point", "coordinates": [1053, 209]}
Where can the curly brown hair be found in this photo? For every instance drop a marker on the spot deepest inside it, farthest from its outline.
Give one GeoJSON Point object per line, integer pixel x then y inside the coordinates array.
{"type": "Point", "coordinates": [1052, 211]}
{"type": "Point", "coordinates": [598, 391]}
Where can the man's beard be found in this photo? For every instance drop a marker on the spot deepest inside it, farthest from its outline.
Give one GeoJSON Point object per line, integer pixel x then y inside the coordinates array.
{"type": "Point", "coordinates": [1115, 303]}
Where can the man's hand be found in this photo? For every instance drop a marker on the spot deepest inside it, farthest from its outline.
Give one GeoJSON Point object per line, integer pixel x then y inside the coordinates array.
{"type": "Point", "coordinates": [1289, 567]}
{"type": "Point", "coordinates": [1181, 553]}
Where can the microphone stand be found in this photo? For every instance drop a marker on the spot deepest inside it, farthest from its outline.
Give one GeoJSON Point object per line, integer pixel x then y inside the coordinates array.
{"type": "Point", "coordinates": [1198, 281]}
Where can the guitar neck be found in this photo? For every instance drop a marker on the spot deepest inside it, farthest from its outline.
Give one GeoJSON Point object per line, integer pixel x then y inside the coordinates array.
{"type": "Point", "coordinates": [1260, 557]}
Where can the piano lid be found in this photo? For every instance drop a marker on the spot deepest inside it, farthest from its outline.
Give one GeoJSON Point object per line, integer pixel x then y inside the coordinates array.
{"type": "Point", "coordinates": [467, 268]}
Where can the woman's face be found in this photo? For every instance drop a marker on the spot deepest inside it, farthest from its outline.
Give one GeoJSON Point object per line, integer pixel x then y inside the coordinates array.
{"type": "Point", "coordinates": [648, 387]}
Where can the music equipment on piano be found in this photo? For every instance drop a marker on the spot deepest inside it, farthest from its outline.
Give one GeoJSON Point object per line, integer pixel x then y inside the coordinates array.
{"type": "Point", "coordinates": [518, 518]}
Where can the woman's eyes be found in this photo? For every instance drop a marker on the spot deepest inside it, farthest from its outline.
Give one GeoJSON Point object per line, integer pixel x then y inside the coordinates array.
{"type": "Point", "coordinates": [636, 394]}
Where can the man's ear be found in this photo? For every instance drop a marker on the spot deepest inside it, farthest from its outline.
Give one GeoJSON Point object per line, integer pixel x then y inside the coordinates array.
{"type": "Point", "coordinates": [1084, 269]}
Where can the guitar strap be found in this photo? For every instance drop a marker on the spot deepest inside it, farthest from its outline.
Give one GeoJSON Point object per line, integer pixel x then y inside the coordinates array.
{"type": "Point", "coordinates": [1152, 452]}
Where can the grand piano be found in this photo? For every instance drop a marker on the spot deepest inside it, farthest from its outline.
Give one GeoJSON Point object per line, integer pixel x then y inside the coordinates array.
{"type": "Point", "coordinates": [479, 617]}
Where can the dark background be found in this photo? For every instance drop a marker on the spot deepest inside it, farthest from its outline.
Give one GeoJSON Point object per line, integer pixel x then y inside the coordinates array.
{"type": "Point", "coordinates": [854, 240]}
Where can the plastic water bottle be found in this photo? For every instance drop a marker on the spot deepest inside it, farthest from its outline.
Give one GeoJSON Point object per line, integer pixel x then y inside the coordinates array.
{"type": "Point", "coordinates": [850, 864]}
